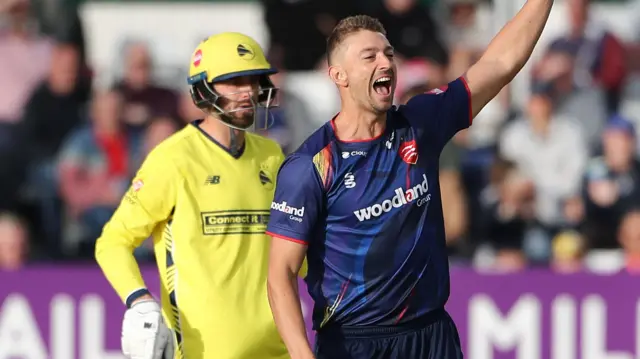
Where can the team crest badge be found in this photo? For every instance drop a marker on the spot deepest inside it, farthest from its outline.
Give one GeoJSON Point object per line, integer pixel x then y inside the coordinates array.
{"type": "Point", "coordinates": [408, 151]}
{"type": "Point", "coordinates": [197, 58]}
{"type": "Point", "coordinates": [245, 51]}
{"type": "Point", "coordinates": [266, 178]}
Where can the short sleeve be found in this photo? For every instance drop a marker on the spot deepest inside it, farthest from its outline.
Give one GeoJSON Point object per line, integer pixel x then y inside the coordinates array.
{"type": "Point", "coordinates": [298, 200]}
{"type": "Point", "coordinates": [441, 112]}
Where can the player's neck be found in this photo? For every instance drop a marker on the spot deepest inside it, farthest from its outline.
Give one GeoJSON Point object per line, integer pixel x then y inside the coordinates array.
{"type": "Point", "coordinates": [222, 133]}
{"type": "Point", "coordinates": [358, 125]}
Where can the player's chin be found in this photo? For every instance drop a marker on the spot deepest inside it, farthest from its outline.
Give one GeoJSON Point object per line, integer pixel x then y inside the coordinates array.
{"type": "Point", "coordinates": [382, 103]}
{"type": "Point", "coordinates": [243, 120]}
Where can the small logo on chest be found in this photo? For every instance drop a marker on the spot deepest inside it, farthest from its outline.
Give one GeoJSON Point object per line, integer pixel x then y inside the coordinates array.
{"type": "Point", "coordinates": [266, 178]}
{"type": "Point", "coordinates": [212, 180]}
{"type": "Point", "coordinates": [347, 154]}
{"type": "Point", "coordinates": [408, 151]}
{"type": "Point", "coordinates": [349, 180]}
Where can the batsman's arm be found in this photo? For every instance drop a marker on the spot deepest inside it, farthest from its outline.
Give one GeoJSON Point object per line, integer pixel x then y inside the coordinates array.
{"type": "Point", "coordinates": [285, 261]}
{"type": "Point", "coordinates": [507, 53]}
{"type": "Point", "coordinates": [148, 202]}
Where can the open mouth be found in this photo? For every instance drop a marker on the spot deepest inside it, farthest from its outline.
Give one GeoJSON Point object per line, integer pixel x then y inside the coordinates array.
{"type": "Point", "coordinates": [382, 86]}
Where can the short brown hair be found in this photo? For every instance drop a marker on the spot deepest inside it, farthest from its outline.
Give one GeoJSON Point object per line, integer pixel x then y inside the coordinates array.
{"type": "Point", "coordinates": [351, 25]}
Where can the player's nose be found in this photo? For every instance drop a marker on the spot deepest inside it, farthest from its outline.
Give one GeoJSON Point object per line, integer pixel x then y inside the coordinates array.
{"type": "Point", "coordinates": [384, 63]}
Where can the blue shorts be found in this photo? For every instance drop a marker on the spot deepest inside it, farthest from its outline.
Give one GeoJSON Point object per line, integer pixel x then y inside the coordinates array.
{"type": "Point", "coordinates": [435, 337]}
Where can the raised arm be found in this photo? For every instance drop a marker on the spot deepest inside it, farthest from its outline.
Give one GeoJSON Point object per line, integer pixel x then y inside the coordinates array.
{"type": "Point", "coordinates": [298, 201]}
{"type": "Point", "coordinates": [507, 53]}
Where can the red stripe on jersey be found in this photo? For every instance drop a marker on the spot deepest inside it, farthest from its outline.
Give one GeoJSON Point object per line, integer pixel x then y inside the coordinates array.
{"type": "Point", "coordinates": [466, 86]}
{"type": "Point", "coordinates": [275, 235]}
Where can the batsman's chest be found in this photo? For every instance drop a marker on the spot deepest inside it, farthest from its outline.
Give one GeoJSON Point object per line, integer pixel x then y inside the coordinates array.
{"type": "Point", "coordinates": [236, 187]}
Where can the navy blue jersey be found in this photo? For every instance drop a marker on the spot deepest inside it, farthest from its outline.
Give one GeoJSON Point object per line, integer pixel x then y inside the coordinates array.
{"type": "Point", "coordinates": [370, 214]}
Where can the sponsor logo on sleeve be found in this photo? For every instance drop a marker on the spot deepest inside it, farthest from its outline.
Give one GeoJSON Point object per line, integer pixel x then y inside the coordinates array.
{"type": "Point", "coordinates": [295, 214]}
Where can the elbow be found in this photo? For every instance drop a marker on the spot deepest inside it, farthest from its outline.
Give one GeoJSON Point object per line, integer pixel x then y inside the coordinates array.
{"type": "Point", "coordinates": [106, 249]}
{"type": "Point", "coordinates": [100, 251]}
{"type": "Point", "coordinates": [278, 278]}
{"type": "Point", "coordinates": [502, 69]}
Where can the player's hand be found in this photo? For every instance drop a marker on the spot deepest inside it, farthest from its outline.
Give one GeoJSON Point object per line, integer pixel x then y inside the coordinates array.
{"type": "Point", "coordinates": [145, 334]}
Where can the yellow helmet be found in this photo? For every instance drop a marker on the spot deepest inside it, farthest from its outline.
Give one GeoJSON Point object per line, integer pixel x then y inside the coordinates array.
{"type": "Point", "coordinates": [226, 56]}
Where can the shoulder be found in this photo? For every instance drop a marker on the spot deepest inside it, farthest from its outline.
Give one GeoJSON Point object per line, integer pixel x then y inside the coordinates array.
{"type": "Point", "coordinates": [264, 144]}
{"type": "Point", "coordinates": [173, 148]}
{"type": "Point", "coordinates": [268, 151]}
{"type": "Point", "coordinates": [437, 97]}
{"type": "Point", "coordinates": [316, 142]}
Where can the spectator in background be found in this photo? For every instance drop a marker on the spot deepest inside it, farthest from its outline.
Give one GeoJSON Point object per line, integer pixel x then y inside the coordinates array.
{"type": "Point", "coordinates": [504, 213]}
{"type": "Point", "coordinates": [412, 30]}
{"type": "Point", "coordinates": [95, 168]}
{"type": "Point", "coordinates": [594, 56]}
{"type": "Point", "coordinates": [567, 250]}
{"type": "Point", "coordinates": [187, 110]}
{"type": "Point", "coordinates": [466, 38]}
{"type": "Point", "coordinates": [417, 74]}
{"type": "Point", "coordinates": [143, 100]}
{"type": "Point", "coordinates": [56, 106]}
{"type": "Point", "coordinates": [611, 187]}
{"type": "Point", "coordinates": [288, 123]}
{"type": "Point", "coordinates": [24, 58]}
{"type": "Point", "coordinates": [14, 242]}
{"type": "Point", "coordinates": [629, 239]}
{"type": "Point", "coordinates": [52, 112]}
{"type": "Point", "coordinates": [550, 152]}
{"type": "Point", "coordinates": [304, 48]}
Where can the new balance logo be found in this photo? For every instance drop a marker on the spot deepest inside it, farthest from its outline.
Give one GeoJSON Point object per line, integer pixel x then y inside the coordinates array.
{"type": "Point", "coordinates": [417, 193]}
{"type": "Point", "coordinates": [212, 180]}
{"type": "Point", "coordinates": [147, 325]}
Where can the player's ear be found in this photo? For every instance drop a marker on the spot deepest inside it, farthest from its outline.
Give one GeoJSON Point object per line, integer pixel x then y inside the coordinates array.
{"type": "Point", "coordinates": [338, 75]}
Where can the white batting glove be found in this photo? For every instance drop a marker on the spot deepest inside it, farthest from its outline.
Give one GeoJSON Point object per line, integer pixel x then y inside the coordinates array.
{"type": "Point", "coordinates": [145, 334]}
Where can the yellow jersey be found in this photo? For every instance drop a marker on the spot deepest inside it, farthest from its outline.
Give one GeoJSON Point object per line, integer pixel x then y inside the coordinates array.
{"type": "Point", "coordinates": [207, 212]}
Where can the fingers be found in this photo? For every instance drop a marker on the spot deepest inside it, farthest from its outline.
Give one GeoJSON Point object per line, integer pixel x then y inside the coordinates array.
{"type": "Point", "coordinates": [170, 350]}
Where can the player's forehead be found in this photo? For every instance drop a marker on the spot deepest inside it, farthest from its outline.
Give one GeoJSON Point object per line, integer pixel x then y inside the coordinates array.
{"type": "Point", "coordinates": [366, 41]}
{"type": "Point", "coordinates": [239, 81]}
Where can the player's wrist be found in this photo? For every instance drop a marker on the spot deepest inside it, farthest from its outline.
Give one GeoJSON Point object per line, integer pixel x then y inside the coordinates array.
{"type": "Point", "coordinates": [137, 296]}
{"type": "Point", "coordinates": [302, 351]}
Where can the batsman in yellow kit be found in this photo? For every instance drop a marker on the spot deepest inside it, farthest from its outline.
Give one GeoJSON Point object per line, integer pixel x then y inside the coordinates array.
{"type": "Point", "coordinates": [204, 196]}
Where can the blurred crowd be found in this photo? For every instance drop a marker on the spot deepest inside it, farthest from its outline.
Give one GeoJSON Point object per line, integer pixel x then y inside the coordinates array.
{"type": "Point", "coordinates": [555, 182]}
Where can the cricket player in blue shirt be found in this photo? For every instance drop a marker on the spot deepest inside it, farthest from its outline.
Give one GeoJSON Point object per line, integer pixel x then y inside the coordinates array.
{"type": "Point", "coordinates": [361, 199]}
